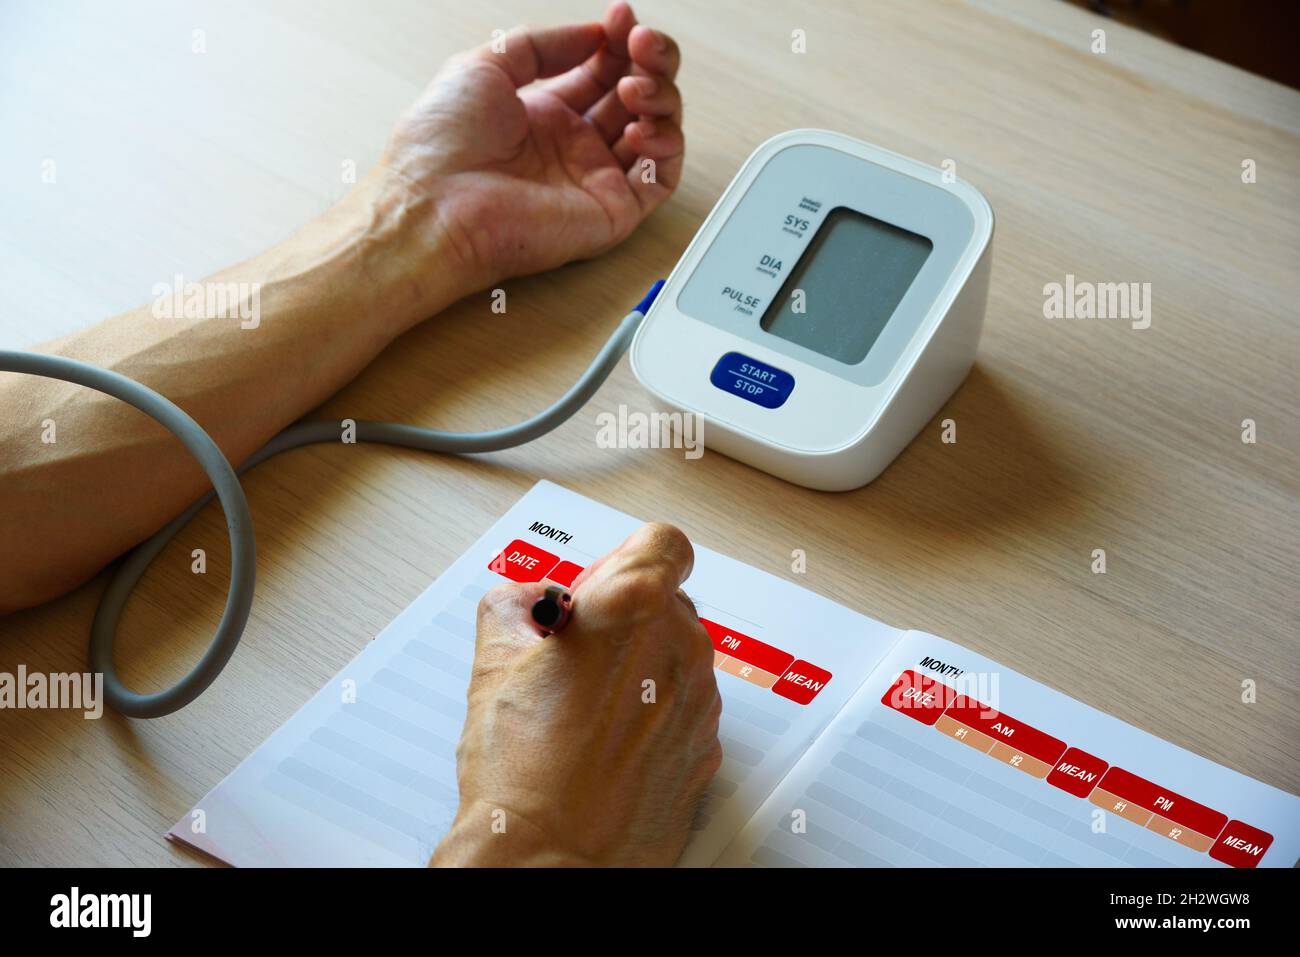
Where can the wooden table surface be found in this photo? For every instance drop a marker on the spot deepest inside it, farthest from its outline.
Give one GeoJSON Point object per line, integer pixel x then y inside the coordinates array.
{"type": "Point", "coordinates": [1072, 435]}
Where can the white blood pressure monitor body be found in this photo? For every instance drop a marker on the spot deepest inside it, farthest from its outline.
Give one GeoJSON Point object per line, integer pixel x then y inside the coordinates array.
{"type": "Point", "coordinates": [825, 311]}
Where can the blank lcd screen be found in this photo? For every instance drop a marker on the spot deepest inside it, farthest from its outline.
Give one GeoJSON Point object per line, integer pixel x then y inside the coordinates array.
{"type": "Point", "coordinates": [852, 276]}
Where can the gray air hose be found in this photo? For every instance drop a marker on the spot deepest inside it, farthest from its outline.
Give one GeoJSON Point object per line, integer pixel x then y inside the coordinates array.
{"type": "Point", "coordinates": [225, 483]}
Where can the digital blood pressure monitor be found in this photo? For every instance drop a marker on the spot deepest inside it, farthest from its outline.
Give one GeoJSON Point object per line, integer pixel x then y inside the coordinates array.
{"type": "Point", "coordinates": [825, 311]}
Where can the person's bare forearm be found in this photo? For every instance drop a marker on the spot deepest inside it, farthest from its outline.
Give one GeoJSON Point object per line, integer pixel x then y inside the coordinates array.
{"type": "Point", "coordinates": [486, 176]}
{"type": "Point", "coordinates": [85, 477]}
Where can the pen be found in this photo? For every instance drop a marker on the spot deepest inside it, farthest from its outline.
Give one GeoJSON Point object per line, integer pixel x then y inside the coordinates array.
{"type": "Point", "coordinates": [551, 611]}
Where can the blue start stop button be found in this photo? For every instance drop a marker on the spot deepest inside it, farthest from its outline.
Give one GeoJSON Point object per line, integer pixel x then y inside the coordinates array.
{"type": "Point", "coordinates": [750, 379]}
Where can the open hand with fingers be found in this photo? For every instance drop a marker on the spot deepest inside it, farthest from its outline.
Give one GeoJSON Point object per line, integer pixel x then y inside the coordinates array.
{"type": "Point", "coordinates": [509, 176]}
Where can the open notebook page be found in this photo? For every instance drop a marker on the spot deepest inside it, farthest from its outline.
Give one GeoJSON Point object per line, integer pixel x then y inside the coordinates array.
{"type": "Point", "coordinates": [909, 774]}
{"type": "Point", "coordinates": [364, 773]}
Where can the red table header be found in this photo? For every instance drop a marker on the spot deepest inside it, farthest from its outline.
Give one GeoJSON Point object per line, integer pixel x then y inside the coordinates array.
{"type": "Point", "coordinates": [1241, 845]}
{"type": "Point", "coordinates": [522, 562]}
{"type": "Point", "coordinates": [564, 573]}
{"type": "Point", "coordinates": [749, 650]}
{"type": "Point", "coordinates": [802, 682]}
{"type": "Point", "coordinates": [1004, 728]}
{"type": "Point", "coordinates": [918, 696]}
{"type": "Point", "coordinates": [1077, 772]}
{"type": "Point", "coordinates": [1166, 803]}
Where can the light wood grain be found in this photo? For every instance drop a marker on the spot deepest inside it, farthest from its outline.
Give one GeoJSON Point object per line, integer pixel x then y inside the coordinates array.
{"type": "Point", "coordinates": [1071, 435]}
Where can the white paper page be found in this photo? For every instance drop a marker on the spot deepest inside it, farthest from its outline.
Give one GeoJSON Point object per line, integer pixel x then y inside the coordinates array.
{"type": "Point", "coordinates": [372, 782]}
{"type": "Point", "coordinates": [882, 788]}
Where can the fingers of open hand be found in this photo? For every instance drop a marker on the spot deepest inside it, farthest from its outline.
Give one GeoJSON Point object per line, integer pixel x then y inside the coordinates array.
{"type": "Point", "coordinates": [654, 139]}
{"type": "Point", "coordinates": [654, 52]}
{"type": "Point", "coordinates": [586, 84]}
{"type": "Point", "coordinates": [651, 96]}
{"type": "Point", "coordinates": [652, 148]}
{"type": "Point", "coordinates": [640, 92]}
{"type": "Point", "coordinates": [652, 56]}
{"type": "Point", "coordinates": [620, 76]}
{"type": "Point", "coordinates": [531, 53]}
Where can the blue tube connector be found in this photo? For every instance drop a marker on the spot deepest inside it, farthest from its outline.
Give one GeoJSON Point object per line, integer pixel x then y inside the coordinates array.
{"type": "Point", "coordinates": [644, 305]}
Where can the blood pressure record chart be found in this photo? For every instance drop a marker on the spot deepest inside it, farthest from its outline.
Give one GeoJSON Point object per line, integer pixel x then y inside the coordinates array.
{"type": "Point", "coordinates": [371, 760]}
{"type": "Point", "coordinates": [945, 758]}
{"type": "Point", "coordinates": [813, 722]}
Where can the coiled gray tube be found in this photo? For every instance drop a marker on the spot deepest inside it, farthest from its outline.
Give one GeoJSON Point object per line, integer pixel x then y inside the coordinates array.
{"type": "Point", "coordinates": [225, 483]}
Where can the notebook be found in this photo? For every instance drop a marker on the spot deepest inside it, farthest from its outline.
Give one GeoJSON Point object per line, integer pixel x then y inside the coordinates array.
{"type": "Point", "coordinates": [847, 742]}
